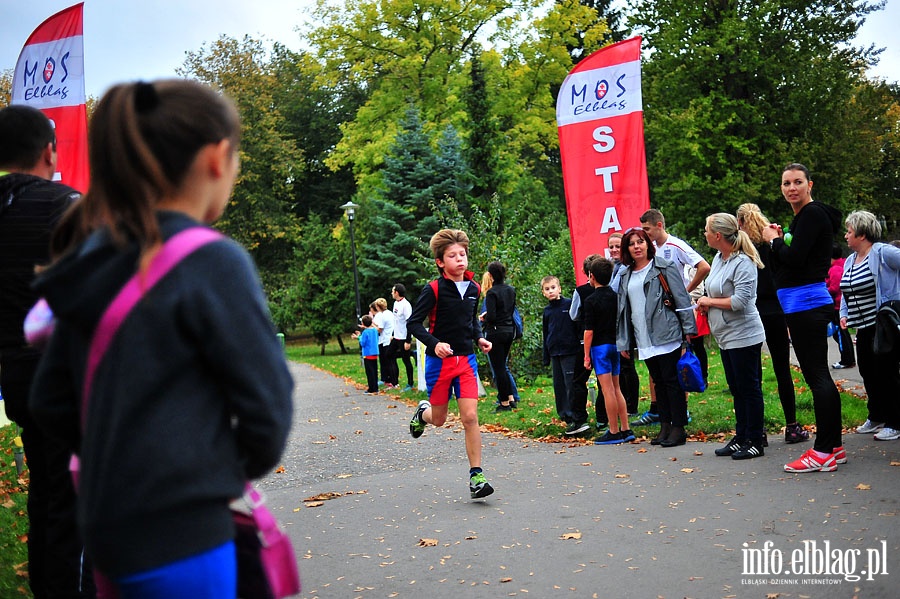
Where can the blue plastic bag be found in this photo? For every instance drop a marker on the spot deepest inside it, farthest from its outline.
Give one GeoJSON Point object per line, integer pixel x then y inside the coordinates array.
{"type": "Point", "coordinates": [690, 373]}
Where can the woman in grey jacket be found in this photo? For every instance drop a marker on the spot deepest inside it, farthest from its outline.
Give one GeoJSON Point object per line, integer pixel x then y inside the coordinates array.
{"type": "Point", "coordinates": [871, 278]}
{"type": "Point", "coordinates": [734, 321]}
{"type": "Point", "coordinates": [657, 331]}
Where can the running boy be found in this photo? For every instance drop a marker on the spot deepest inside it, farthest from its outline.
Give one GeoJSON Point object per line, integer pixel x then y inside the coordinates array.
{"type": "Point", "coordinates": [601, 353]}
{"type": "Point", "coordinates": [450, 304]}
{"type": "Point", "coordinates": [562, 346]}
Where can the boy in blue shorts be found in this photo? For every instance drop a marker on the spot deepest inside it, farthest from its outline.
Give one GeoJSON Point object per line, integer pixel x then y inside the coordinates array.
{"type": "Point", "coordinates": [450, 304]}
{"type": "Point", "coordinates": [600, 352]}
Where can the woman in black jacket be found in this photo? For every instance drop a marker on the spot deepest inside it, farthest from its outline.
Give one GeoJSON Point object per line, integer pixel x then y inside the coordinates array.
{"type": "Point", "coordinates": [499, 303]}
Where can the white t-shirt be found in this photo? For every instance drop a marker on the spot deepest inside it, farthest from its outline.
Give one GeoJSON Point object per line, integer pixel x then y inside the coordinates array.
{"type": "Point", "coordinates": [678, 251]}
{"type": "Point", "coordinates": [402, 312]}
{"type": "Point", "coordinates": [385, 322]}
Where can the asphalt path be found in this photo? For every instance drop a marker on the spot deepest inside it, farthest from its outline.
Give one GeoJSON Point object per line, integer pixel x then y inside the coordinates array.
{"type": "Point", "coordinates": [392, 515]}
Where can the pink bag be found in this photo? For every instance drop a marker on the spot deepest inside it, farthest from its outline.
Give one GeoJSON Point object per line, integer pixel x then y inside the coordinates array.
{"type": "Point", "coordinates": [267, 566]}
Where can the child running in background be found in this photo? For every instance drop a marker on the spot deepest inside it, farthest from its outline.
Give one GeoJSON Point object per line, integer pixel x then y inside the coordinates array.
{"type": "Point", "coordinates": [451, 306]}
{"type": "Point", "coordinates": [368, 347]}
{"type": "Point", "coordinates": [601, 353]}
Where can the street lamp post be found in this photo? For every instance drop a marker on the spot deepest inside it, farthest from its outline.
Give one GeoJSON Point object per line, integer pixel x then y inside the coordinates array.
{"type": "Point", "coordinates": [350, 210]}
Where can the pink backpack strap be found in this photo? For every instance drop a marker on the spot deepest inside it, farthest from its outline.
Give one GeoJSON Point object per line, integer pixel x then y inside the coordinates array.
{"type": "Point", "coordinates": [173, 251]}
{"type": "Point", "coordinates": [431, 316]}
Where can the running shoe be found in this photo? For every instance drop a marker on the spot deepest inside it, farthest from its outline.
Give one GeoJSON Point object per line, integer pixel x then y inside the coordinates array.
{"type": "Point", "coordinates": [627, 435]}
{"type": "Point", "coordinates": [407, 388]}
{"type": "Point", "coordinates": [869, 427]}
{"type": "Point", "coordinates": [729, 448]}
{"type": "Point", "coordinates": [609, 438]}
{"type": "Point", "coordinates": [479, 486]}
{"type": "Point", "coordinates": [576, 428]}
{"type": "Point", "coordinates": [748, 450]}
{"type": "Point", "coordinates": [417, 424]}
{"type": "Point", "coordinates": [840, 456]}
{"type": "Point", "coordinates": [501, 408]}
{"type": "Point", "coordinates": [887, 434]}
{"type": "Point", "coordinates": [794, 433]}
{"type": "Point", "coordinates": [646, 419]}
{"type": "Point", "coordinates": [811, 462]}
{"type": "Point", "coordinates": [839, 366]}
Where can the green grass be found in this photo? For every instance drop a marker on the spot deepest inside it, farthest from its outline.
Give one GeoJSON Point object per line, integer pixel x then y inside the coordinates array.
{"type": "Point", "coordinates": [13, 520]}
{"type": "Point", "coordinates": [711, 411]}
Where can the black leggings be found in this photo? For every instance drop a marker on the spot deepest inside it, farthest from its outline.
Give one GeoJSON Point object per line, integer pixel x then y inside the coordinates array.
{"type": "Point", "coordinates": [808, 335]}
{"type": "Point", "coordinates": [498, 356]}
{"type": "Point", "coordinates": [779, 345]}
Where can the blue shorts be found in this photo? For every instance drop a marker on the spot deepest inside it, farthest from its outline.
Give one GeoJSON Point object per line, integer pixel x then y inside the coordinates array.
{"type": "Point", "coordinates": [605, 359]}
{"type": "Point", "coordinates": [456, 374]}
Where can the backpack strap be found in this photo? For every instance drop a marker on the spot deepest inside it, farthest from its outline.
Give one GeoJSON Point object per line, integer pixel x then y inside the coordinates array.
{"type": "Point", "coordinates": [433, 314]}
{"type": "Point", "coordinates": [173, 251]}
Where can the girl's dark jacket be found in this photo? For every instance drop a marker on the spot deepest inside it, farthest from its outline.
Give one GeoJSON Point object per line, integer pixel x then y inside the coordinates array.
{"type": "Point", "coordinates": [192, 399]}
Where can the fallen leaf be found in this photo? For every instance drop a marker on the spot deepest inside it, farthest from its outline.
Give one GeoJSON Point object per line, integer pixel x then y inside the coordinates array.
{"type": "Point", "coordinates": [863, 487]}
{"type": "Point", "coordinates": [622, 476]}
{"type": "Point", "coordinates": [427, 543]}
{"type": "Point", "coordinates": [314, 503]}
{"type": "Point", "coordinates": [506, 580]}
{"type": "Point", "coordinates": [280, 470]}
{"type": "Point", "coordinates": [687, 470]}
{"type": "Point", "coordinates": [570, 535]}
{"type": "Point", "coordinates": [324, 496]}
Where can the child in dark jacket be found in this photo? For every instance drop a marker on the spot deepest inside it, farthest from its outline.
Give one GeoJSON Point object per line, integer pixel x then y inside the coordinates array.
{"type": "Point", "coordinates": [562, 346]}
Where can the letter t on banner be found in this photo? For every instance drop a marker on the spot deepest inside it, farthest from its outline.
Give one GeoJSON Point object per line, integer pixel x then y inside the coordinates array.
{"type": "Point", "coordinates": [49, 76]}
{"type": "Point", "coordinates": [601, 142]}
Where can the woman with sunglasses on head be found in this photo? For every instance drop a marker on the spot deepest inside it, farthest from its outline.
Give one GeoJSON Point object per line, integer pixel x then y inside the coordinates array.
{"type": "Point", "coordinates": [656, 330]}
{"type": "Point", "coordinates": [730, 303]}
{"type": "Point", "coordinates": [800, 260]}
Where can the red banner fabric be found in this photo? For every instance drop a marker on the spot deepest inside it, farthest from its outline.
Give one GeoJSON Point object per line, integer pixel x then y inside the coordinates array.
{"type": "Point", "coordinates": [601, 139]}
{"type": "Point", "coordinates": [49, 76]}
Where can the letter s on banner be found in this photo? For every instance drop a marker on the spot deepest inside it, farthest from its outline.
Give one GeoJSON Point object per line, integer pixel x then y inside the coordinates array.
{"type": "Point", "coordinates": [49, 76]}
{"type": "Point", "coordinates": [601, 142]}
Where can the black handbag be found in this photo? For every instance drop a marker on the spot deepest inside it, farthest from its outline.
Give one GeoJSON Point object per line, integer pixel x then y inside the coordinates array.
{"type": "Point", "coordinates": [887, 328]}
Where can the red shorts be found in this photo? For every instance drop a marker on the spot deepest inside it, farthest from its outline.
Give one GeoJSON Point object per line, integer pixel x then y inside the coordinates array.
{"type": "Point", "coordinates": [456, 374]}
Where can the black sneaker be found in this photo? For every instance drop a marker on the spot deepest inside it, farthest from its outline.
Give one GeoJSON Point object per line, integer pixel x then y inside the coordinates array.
{"type": "Point", "coordinates": [748, 450]}
{"type": "Point", "coordinates": [417, 425]}
{"type": "Point", "coordinates": [576, 428]}
{"type": "Point", "coordinates": [732, 446]}
{"type": "Point", "coordinates": [609, 438]}
{"type": "Point", "coordinates": [627, 436]}
{"type": "Point", "coordinates": [507, 408]}
{"type": "Point", "coordinates": [479, 486]}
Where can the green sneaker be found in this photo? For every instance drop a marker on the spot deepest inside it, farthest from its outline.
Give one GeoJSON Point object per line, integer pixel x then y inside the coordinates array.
{"type": "Point", "coordinates": [417, 425]}
{"type": "Point", "coordinates": [479, 486]}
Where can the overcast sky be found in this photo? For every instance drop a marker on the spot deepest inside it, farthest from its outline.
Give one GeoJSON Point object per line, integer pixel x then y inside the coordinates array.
{"type": "Point", "coordinates": [126, 40]}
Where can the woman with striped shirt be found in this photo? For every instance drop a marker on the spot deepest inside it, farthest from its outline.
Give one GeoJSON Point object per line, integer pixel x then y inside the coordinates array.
{"type": "Point", "coordinates": [872, 277]}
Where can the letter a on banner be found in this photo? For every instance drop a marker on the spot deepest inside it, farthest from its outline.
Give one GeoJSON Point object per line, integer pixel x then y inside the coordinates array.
{"type": "Point", "coordinates": [49, 76]}
{"type": "Point", "coordinates": [601, 142]}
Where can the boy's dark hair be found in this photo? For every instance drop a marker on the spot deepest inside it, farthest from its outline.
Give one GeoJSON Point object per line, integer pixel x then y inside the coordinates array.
{"type": "Point", "coordinates": [498, 272]}
{"type": "Point", "coordinates": [653, 217]}
{"type": "Point", "coordinates": [586, 264]}
{"type": "Point", "coordinates": [366, 320]}
{"type": "Point", "coordinates": [25, 132]}
{"type": "Point", "coordinates": [601, 270]}
{"type": "Point", "coordinates": [400, 288]}
{"type": "Point", "coordinates": [444, 238]}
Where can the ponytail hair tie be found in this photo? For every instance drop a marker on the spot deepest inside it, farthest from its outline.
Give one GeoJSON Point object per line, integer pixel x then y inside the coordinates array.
{"type": "Point", "coordinates": [145, 97]}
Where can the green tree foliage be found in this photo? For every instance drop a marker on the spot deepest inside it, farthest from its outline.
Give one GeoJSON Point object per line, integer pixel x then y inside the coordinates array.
{"type": "Point", "coordinates": [401, 219]}
{"type": "Point", "coordinates": [320, 297]}
{"type": "Point", "coordinates": [734, 90]}
{"type": "Point", "coordinates": [259, 214]}
{"type": "Point", "coordinates": [313, 110]}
